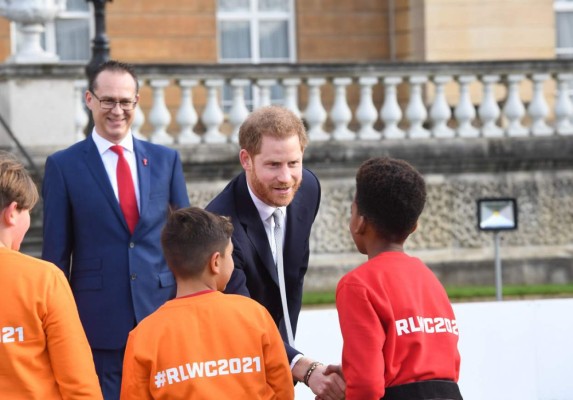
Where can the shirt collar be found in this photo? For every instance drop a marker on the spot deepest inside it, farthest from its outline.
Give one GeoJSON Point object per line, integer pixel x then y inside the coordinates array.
{"type": "Point", "coordinates": [265, 211]}
{"type": "Point", "coordinates": [103, 144]}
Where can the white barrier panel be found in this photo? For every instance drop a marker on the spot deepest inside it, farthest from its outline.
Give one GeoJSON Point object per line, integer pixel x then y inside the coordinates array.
{"type": "Point", "coordinates": [511, 350]}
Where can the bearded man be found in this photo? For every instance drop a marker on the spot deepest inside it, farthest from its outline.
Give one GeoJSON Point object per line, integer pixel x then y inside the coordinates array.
{"type": "Point", "coordinates": [272, 205]}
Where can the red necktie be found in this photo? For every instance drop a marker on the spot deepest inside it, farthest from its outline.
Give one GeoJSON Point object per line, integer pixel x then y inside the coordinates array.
{"type": "Point", "coordinates": [127, 200]}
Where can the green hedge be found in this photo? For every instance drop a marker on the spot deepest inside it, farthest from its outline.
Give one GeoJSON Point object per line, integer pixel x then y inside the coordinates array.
{"type": "Point", "coordinates": [468, 293]}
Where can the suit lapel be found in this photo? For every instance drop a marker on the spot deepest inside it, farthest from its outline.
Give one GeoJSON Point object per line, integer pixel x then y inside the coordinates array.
{"type": "Point", "coordinates": [254, 228]}
{"type": "Point", "coordinates": [95, 166]}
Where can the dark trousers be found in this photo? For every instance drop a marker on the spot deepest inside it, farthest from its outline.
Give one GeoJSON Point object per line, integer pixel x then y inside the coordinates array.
{"type": "Point", "coordinates": [424, 390]}
{"type": "Point", "coordinates": [109, 364]}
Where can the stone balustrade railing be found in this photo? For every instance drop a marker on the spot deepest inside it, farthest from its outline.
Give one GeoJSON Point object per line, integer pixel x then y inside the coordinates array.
{"type": "Point", "coordinates": [184, 104]}
{"type": "Point", "coordinates": [508, 99]}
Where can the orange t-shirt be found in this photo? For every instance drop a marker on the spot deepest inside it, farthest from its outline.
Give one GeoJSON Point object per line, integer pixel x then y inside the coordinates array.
{"type": "Point", "coordinates": [207, 346]}
{"type": "Point", "coordinates": [44, 353]}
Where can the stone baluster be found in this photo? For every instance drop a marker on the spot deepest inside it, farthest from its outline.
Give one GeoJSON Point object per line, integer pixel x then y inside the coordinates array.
{"type": "Point", "coordinates": [239, 110]}
{"type": "Point", "coordinates": [563, 105]}
{"type": "Point", "coordinates": [366, 113]}
{"type": "Point", "coordinates": [315, 114]}
{"type": "Point", "coordinates": [538, 109]}
{"type": "Point", "coordinates": [81, 118]}
{"type": "Point", "coordinates": [440, 112]}
{"type": "Point", "coordinates": [340, 113]}
{"type": "Point", "coordinates": [212, 116]}
{"type": "Point", "coordinates": [391, 113]}
{"type": "Point", "coordinates": [513, 108]}
{"type": "Point", "coordinates": [465, 111]}
{"type": "Point", "coordinates": [159, 116]}
{"type": "Point", "coordinates": [265, 86]}
{"type": "Point", "coordinates": [416, 112]}
{"type": "Point", "coordinates": [489, 110]}
{"type": "Point", "coordinates": [138, 118]}
{"type": "Point", "coordinates": [291, 94]}
{"type": "Point", "coordinates": [186, 115]}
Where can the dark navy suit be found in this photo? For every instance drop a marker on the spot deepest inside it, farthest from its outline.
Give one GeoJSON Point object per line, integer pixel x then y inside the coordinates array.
{"type": "Point", "coordinates": [255, 273]}
{"type": "Point", "coordinates": [117, 278]}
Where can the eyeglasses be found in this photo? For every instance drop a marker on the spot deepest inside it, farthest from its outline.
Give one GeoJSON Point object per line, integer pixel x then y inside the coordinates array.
{"type": "Point", "coordinates": [107, 104]}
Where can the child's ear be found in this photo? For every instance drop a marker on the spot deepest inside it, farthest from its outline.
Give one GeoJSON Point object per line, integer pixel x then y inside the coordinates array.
{"type": "Point", "coordinates": [215, 263]}
{"type": "Point", "coordinates": [9, 214]}
{"type": "Point", "coordinates": [414, 228]}
{"type": "Point", "coordinates": [361, 225]}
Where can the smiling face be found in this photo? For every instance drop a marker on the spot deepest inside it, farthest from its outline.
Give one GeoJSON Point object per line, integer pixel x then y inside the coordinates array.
{"type": "Point", "coordinates": [113, 124]}
{"type": "Point", "coordinates": [275, 173]}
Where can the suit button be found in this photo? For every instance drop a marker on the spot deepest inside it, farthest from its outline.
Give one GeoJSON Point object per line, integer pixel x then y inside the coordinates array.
{"type": "Point", "coordinates": [133, 277]}
{"type": "Point", "coordinates": [131, 245]}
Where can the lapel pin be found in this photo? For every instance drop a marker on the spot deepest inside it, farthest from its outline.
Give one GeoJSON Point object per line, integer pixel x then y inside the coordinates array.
{"type": "Point", "coordinates": [145, 162]}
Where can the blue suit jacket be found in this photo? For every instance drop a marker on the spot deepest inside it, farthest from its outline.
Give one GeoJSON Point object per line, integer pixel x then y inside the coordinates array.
{"type": "Point", "coordinates": [117, 278]}
{"type": "Point", "coordinates": [255, 273]}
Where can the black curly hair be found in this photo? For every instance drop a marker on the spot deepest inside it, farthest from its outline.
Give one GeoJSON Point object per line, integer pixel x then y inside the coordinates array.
{"type": "Point", "coordinates": [390, 194]}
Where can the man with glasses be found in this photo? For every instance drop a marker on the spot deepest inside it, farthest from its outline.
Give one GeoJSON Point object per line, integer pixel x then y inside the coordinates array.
{"type": "Point", "coordinates": [106, 199]}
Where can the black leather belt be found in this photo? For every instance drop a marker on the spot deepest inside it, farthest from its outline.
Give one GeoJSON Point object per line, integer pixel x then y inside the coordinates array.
{"type": "Point", "coordinates": [424, 390]}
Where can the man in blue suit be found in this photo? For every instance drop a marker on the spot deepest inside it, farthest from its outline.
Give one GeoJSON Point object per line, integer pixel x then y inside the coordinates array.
{"type": "Point", "coordinates": [102, 226]}
{"type": "Point", "coordinates": [272, 141]}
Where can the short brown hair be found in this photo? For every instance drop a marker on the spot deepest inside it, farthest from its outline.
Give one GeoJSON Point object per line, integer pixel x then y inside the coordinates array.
{"type": "Point", "coordinates": [191, 236]}
{"type": "Point", "coordinates": [274, 121]}
{"type": "Point", "coordinates": [112, 66]}
{"type": "Point", "coordinates": [16, 184]}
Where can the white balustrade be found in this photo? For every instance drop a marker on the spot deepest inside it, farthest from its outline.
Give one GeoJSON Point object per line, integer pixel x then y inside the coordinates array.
{"type": "Point", "coordinates": [465, 111]}
{"type": "Point", "coordinates": [366, 113]}
{"type": "Point", "coordinates": [159, 116]}
{"type": "Point", "coordinates": [291, 94]}
{"type": "Point", "coordinates": [186, 115]}
{"type": "Point", "coordinates": [563, 105]}
{"type": "Point", "coordinates": [212, 116]}
{"type": "Point", "coordinates": [391, 113]}
{"type": "Point", "coordinates": [416, 110]}
{"type": "Point", "coordinates": [81, 118]}
{"type": "Point", "coordinates": [138, 118]}
{"type": "Point", "coordinates": [315, 114]}
{"type": "Point", "coordinates": [440, 112]}
{"type": "Point", "coordinates": [265, 86]}
{"type": "Point", "coordinates": [239, 110]}
{"type": "Point", "coordinates": [489, 110]}
{"type": "Point", "coordinates": [340, 113]}
{"type": "Point", "coordinates": [513, 108]}
{"type": "Point", "coordinates": [538, 109]}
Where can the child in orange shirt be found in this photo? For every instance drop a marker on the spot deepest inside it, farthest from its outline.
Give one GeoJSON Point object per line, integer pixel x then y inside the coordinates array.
{"type": "Point", "coordinates": [44, 353]}
{"type": "Point", "coordinates": [204, 344]}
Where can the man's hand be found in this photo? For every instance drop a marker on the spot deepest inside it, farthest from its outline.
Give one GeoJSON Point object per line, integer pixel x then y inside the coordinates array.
{"type": "Point", "coordinates": [327, 383]}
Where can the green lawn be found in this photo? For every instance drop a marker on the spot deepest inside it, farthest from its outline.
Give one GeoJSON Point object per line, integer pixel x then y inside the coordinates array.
{"type": "Point", "coordinates": [469, 293]}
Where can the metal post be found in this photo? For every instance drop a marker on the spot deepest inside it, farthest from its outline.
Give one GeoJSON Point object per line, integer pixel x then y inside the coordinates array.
{"type": "Point", "coordinates": [100, 48]}
{"type": "Point", "coordinates": [100, 43]}
{"type": "Point", "coordinates": [498, 284]}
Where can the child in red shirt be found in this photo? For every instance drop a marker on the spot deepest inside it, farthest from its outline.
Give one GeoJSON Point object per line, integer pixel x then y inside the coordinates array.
{"type": "Point", "coordinates": [205, 344]}
{"type": "Point", "coordinates": [399, 330]}
{"type": "Point", "coordinates": [44, 352]}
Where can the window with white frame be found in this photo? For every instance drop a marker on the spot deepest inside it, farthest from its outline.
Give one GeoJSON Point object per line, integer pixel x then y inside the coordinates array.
{"type": "Point", "coordinates": [564, 28]}
{"type": "Point", "coordinates": [254, 32]}
{"type": "Point", "coordinates": [69, 35]}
